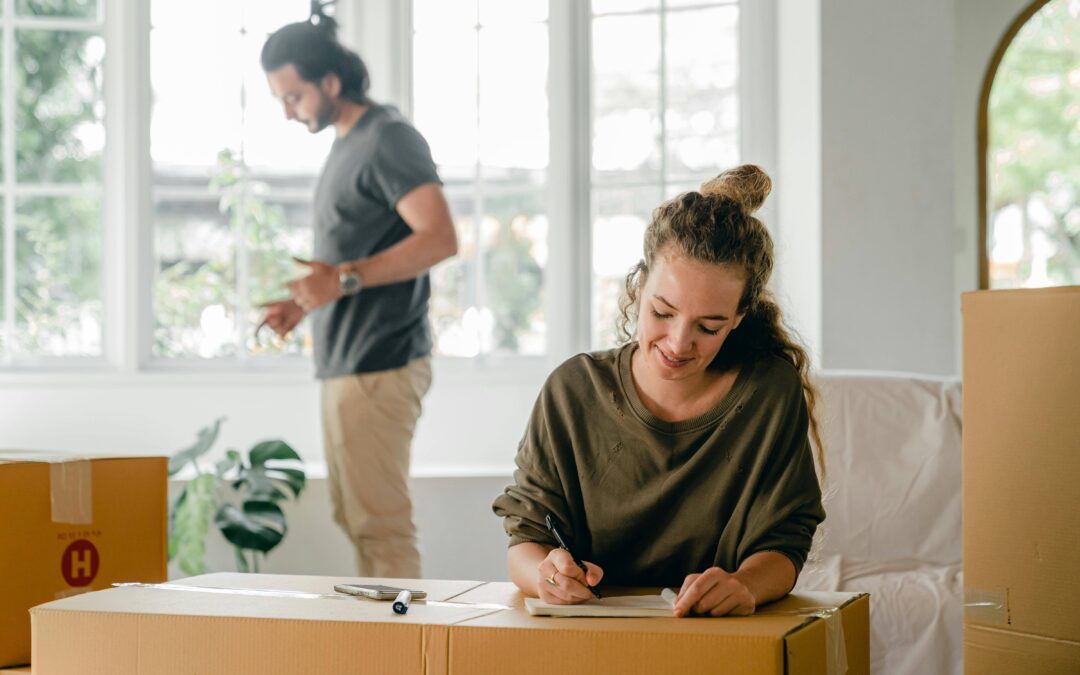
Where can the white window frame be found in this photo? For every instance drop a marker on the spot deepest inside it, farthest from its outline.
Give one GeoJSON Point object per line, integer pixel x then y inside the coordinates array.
{"type": "Point", "coordinates": [382, 30]}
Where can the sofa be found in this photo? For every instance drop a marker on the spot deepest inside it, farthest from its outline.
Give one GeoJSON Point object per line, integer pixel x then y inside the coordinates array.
{"type": "Point", "coordinates": [892, 494]}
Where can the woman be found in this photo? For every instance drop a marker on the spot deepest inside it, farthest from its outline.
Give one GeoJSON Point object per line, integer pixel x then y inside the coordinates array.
{"type": "Point", "coordinates": [681, 458]}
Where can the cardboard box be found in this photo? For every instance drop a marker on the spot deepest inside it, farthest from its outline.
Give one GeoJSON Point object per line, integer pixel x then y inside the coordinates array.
{"type": "Point", "coordinates": [1021, 471]}
{"type": "Point", "coordinates": [231, 623]}
{"type": "Point", "coordinates": [72, 525]}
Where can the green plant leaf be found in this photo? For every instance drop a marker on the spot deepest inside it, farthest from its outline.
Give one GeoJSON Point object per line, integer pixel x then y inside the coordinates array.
{"type": "Point", "coordinates": [203, 442]}
{"type": "Point", "coordinates": [224, 466]}
{"type": "Point", "coordinates": [273, 449]}
{"type": "Point", "coordinates": [263, 476]}
{"type": "Point", "coordinates": [259, 526]}
{"type": "Point", "coordinates": [173, 508]}
{"type": "Point", "coordinates": [191, 523]}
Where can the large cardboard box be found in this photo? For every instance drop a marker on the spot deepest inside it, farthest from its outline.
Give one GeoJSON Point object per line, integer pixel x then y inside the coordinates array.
{"type": "Point", "coordinates": [72, 525]}
{"type": "Point", "coordinates": [235, 623]}
{"type": "Point", "coordinates": [1022, 480]}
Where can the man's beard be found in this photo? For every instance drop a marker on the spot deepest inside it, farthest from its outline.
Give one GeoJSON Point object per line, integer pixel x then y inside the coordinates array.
{"type": "Point", "coordinates": [324, 116]}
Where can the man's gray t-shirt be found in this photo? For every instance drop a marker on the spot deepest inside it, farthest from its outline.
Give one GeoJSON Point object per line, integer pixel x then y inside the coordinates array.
{"type": "Point", "coordinates": [378, 162]}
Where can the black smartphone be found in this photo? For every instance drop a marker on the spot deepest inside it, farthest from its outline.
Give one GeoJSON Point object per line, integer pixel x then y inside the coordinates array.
{"type": "Point", "coordinates": [377, 591]}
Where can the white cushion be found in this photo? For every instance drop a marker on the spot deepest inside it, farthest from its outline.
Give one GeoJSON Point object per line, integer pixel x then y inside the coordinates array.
{"type": "Point", "coordinates": [892, 458]}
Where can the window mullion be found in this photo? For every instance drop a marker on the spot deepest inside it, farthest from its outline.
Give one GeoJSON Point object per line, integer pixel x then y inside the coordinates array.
{"type": "Point", "coordinates": [568, 278]}
{"type": "Point", "coordinates": [126, 198]}
{"type": "Point", "coordinates": [9, 181]}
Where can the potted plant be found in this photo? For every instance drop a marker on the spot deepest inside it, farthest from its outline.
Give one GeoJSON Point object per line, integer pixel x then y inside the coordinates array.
{"type": "Point", "coordinates": [241, 493]}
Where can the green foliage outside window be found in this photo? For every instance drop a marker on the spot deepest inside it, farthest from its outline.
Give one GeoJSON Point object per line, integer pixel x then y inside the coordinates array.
{"type": "Point", "coordinates": [58, 93]}
{"type": "Point", "coordinates": [1034, 144]}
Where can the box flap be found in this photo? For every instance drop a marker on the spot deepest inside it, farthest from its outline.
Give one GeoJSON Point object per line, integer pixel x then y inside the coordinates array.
{"type": "Point", "coordinates": [1006, 652]}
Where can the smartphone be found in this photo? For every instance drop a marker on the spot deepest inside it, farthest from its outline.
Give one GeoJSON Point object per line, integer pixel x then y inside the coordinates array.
{"type": "Point", "coordinates": [376, 591]}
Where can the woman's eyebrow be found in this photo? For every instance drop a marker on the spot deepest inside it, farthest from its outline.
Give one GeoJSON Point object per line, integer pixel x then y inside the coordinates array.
{"type": "Point", "coordinates": [718, 317]}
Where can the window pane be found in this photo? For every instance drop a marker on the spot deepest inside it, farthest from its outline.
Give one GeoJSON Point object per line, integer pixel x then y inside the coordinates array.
{"type": "Point", "coordinates": [518, 11]}
{"type": "Point", "coordinates": [3, 285]}
{"type": "Point", "coordinates": [675, 4]}
{"type": "Point", "coordinates": [262, 166]}
{"type": "Point", "coordinates": [195, 288]}
{"type": "Point", "coordinates": [605, 6]}
{"type": "Point", "coordinates": [455, 316]}
{"type": "Point", "coordinates": [621, 216]}
{"type": "Point", "coordinates": [58, 286]}
{"type": "Point", "coordinates": [626, 88]}
{"type": "Point", "coordinates": [60, 8]}
{"type": "Point", "coordinates": [514, 235]}
{"type": "Point", "coordinates": [701, 120]}
{"type": "Point", "coordinates": [60, 134]}
{"type": "Point", "coordinates": [444, 86]}
{"type": "Point", "coordinates": [1033, 235]}
{"type": "Point", "coordinates": [513, 96]}
{"type": "Point", "coordinates": [194, 89]}
{"type": "Point", "coordinates": [444, 15]}
{"type": "Point", "coordinates": [276, 232]}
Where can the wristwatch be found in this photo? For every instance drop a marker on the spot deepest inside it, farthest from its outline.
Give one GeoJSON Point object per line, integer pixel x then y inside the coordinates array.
{"type": "Point", "coordinates": [349, 282]}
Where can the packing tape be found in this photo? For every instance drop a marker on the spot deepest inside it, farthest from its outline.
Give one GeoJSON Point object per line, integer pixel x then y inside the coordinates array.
{"type": "Point", "coordinates": [70, 488]}
{"type": "Point", "coordinates": [985, 606]}
{"type": "Point", "coordinates": [282, 593]}
{"type": "Point", "coordinates": [836, 662]}
{"type": "Point", "coordinates": [70, 485]}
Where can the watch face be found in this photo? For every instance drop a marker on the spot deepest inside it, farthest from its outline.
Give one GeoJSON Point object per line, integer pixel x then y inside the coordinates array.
{"type": "Point", "coordinates": [350, 284]}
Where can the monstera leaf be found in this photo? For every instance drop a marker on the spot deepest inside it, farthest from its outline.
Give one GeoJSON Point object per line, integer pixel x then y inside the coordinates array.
{"type": "Point", "coordinates": [258, 526]}
{"type": "Point", "coordinates": [264, 481]}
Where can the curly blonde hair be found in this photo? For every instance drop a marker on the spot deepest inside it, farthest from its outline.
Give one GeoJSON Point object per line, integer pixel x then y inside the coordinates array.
{"type": "Point", "coordinates": [717, 226]}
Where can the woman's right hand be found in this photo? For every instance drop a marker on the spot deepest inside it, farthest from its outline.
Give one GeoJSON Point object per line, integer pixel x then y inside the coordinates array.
{"type": "Point", "coordinates": [561, 582]}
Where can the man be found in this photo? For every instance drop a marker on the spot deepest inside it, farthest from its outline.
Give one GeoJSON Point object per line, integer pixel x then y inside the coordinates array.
{"type": "Point", "coordinates": [381, 222]}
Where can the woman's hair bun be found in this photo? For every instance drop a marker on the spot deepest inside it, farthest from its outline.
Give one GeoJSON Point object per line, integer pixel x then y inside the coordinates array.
{"type": "Point", "coordinates": [747, 185]}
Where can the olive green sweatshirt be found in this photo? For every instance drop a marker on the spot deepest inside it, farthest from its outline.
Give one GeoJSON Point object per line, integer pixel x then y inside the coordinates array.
{"type": "Point", "coordinates": [651, 501]}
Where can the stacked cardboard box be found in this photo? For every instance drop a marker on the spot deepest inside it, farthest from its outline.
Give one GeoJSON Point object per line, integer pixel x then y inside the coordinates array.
{"type": "Point", "coordinates": [233, 623]}
{"type": "Point", "coordinates": [72, 525]}
{"type": "Point", "coordinates": [1022, 481]}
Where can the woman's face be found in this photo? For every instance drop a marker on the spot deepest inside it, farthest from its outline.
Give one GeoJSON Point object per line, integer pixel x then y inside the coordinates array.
{"type": "Point", "coordinates": [685, 312]}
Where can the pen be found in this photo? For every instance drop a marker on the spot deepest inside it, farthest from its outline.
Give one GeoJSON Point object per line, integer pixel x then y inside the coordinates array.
{"type": "Point", "coordinates": [549, 519]}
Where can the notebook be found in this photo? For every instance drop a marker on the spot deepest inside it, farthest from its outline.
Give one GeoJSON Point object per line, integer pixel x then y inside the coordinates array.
{"type": "Point", "coordinates": [616, 605]}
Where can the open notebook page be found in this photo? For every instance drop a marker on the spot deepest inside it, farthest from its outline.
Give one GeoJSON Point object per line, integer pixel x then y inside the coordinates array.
{"type": "Point", "coordinates": [617, 605]}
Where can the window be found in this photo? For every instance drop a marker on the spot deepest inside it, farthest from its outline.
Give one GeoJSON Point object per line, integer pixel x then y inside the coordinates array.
{"type": "Point", "coordinates": [1033, 152]}
{"type": "Point", "coordinates": [232, 182]}
{"type": "Point", "coordinates": [665, 118]}
{"type": "Point", "coordinates": [663, 111]}
{"type": "Point", "coordinates": [557, 126]}
{"type": "Point", "coordinates": [53, 139]}
{"type": "Point", "coordinates": [481, 100]}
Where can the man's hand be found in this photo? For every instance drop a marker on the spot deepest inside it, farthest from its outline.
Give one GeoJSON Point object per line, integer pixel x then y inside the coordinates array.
{"type": "Point", "coordinates": [320, 287]}
{"type": "Point", "coordinates": [561, 582]}
{"type": "Point", "coordinates": [716, 593]}
{"type": "Point", "coordinates": [282, 316]}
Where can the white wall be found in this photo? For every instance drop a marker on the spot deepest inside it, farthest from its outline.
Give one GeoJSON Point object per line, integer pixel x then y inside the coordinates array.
{"type": "Point", "coordinates": [887, 185]}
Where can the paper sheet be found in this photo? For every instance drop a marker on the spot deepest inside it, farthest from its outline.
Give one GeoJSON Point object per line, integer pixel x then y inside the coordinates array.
{"type": "Point", "coordinates": [618, 605]}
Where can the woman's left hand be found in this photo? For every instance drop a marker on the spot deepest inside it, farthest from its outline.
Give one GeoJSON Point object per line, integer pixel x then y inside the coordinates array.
{"type": "Point", "coordinates": [716, 593]}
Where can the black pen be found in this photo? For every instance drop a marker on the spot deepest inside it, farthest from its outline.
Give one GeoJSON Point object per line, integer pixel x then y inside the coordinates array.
{"type": "Point", "coordinates": [550, 521]}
